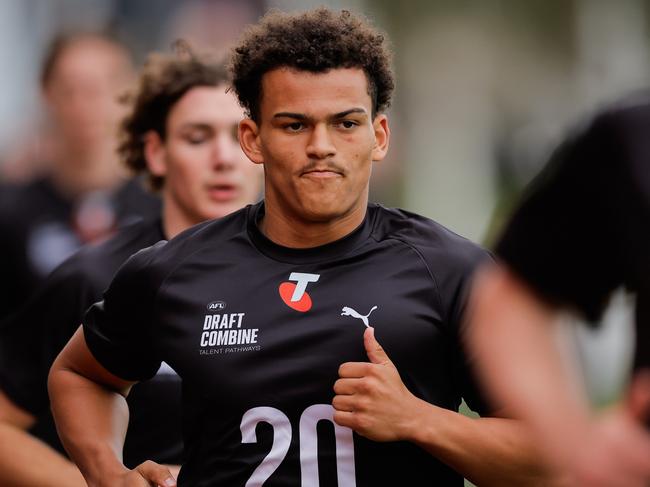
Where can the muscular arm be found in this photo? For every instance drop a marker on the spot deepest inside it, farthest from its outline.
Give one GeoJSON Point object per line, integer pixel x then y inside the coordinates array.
{"type": "Point", "coordinates": [90, 410]}
{"type": "Point", "coordinates": [372, 399]}
{"type": "Point", "coordinates": [488, 451]}
{"type": "Point", "coordinates": [512, 335]}
{"type": "Point", "coordinates": [25, 461]}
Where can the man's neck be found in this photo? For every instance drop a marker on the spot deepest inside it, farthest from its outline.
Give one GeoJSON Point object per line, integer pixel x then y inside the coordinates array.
{"type": "Point", "coordinates": [293, 232]}
{"type": "Point", "coordinates": [174, 219]}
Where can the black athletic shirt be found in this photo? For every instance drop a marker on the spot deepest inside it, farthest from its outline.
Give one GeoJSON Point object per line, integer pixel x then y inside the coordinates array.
{"type": "Point", "coordinates": [31, 339]}
{"type": "Point", "coordinates": [40, 228]}
{"type": "Point", "coordinates": [583, 228]}
{"type": "Point", "coordinates": [257, 333]}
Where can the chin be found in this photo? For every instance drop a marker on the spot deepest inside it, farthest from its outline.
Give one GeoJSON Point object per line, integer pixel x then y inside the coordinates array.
{"type": "Point", "coordinates": [222, 209]}
{"type": "Point", "coordinates": [323, 213]}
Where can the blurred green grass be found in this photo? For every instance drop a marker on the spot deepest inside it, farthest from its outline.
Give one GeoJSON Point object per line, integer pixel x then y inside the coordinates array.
{"type": "Point", "coordinates": [464, 409]}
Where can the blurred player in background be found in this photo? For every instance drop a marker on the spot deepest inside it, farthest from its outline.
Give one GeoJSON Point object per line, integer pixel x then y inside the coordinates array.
{"type": "Point", "coordinates": [581, 232]}
{"type": "Point", "coordinates": [84, 196]}
{"type": "Point", "coordinates": [257, 311]}
{"type": "Point", "coordinates": [181, 134]}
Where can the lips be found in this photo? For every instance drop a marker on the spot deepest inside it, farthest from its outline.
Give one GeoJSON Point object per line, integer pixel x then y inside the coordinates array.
{"type": "Point", "coordinates": [223, 192]}
{"type": "Point", "coordinates": [322, 171]}
{"type": "Point", "coordinates": [322, 174]}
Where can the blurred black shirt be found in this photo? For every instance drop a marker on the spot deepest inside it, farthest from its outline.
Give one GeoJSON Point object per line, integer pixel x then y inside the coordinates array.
{"type": "Point", "coordinates": [31, 339]}
{"type": "Point", "coordinates": [39, 228]}
{"type": "Point", "coordinates": [583, 228]}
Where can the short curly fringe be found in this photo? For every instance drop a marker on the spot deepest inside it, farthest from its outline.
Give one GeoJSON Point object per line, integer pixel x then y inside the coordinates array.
{"type": "Point", "coordinates": [316, 41]}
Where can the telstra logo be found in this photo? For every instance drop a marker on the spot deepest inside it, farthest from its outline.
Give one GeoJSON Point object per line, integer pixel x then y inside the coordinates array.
{"type": "Point", "coordinates": [294, 294]}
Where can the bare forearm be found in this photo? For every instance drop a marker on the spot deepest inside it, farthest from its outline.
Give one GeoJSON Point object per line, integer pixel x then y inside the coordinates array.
{"type": "Point", "coordinates": [541, 373]}
{"type": "Point", "coordinates": [510, 326]}
{"type": "Point", "coordinates": [487, 451]}
{"type": "Point", "coordinates": [26, 461]}
{"type": "Point", "coordinates": [91, 422]}
{"type": "Point", "coordinates": [372, 400]}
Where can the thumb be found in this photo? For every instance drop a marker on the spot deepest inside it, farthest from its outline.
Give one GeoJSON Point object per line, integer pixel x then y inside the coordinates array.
{"type": "Point", "coordinates": [156, 474]}
{"type": "Point", "coordinates": [638, 396]}
{"type": "Point", "coordinates": [374, 350]}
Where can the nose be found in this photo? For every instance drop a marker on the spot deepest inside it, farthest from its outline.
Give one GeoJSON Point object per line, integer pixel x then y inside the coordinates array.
{"type": "Point", "coordinates": [320, 145]}
{"type": "Point", "coordinates": [224, 152]}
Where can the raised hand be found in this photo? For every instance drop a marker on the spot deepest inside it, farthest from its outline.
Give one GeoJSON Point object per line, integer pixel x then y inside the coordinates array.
{"type": "Point", "coordinates": [371, 397]}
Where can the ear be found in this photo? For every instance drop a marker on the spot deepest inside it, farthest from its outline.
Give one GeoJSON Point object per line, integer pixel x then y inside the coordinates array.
{"type": "Point", "coordinates": [382, 137]}
{"type": "Point", "coordinates": [154, 154]}
{"type": "Point", "coordinates": [249, 139]}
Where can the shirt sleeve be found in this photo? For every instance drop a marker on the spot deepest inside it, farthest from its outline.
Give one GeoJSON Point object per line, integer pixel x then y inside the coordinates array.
{"type": "Point", "coordinates": [563, 239]}
{"type": "Point", "coordinates": [119, 329]}
{"type": "Point", "coordinates": [452, 262]}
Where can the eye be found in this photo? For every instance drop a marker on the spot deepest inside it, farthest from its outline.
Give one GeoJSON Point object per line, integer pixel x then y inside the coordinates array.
{"type": "Point", "coordinates": [197, 137]}
{"type": "Point", "coordinates": [294, 127]}
{"type": "Point", "coordinates": [347, 124]}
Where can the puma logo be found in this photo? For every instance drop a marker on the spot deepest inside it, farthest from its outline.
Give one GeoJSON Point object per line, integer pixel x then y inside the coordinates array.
{"type": "Point", "coordinates": [346, 311]}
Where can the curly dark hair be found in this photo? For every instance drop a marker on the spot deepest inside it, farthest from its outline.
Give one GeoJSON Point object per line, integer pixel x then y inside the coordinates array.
{"type": "Point", "coordinates": [316, 41]}
{"type": "Point", "coordinates": [164, 81]}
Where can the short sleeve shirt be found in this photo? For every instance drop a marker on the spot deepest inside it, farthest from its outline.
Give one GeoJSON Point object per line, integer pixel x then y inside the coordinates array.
{"type": "Point", "coordinates": [257, 333]}
{"type": "Point", "coordinates": [583, 228]}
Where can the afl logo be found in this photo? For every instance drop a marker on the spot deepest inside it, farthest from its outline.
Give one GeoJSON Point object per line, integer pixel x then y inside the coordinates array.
{"type": "Point", "coordinates": [216, 305]}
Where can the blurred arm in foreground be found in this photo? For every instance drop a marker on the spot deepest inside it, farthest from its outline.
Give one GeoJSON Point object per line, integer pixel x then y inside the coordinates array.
{"type": "Point", "coordinates": [581, 232]}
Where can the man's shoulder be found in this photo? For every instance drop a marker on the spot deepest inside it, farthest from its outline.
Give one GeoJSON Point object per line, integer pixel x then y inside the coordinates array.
{"type": "Point", "coordinates": [432, 240]}
{"type": "Point", "coordinates": [619, 121]}
{"type": "Point", "coordinates": [98, 262]}
{"type": "Point", "coordinates": [634, 105]}
{"type": "Point", "coordinates": [166, 255]}
{"type": "Point", "coordinates": [450, 259]}
{"type": "Point", "coordinates": [209, 233]}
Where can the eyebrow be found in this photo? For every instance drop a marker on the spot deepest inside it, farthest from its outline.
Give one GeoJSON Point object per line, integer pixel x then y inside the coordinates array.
{"type": "Point", "coordinates": [196, 125]}
{"type": "Point", "coordinates": [302, 116]}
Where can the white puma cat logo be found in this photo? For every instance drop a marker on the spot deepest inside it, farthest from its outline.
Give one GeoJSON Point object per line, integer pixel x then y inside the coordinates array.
{"type": "Point", "coordinates": [346, 311]}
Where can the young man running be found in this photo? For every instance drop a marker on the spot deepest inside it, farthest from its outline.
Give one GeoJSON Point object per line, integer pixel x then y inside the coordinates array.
{"type": "Point", "coordinates": [257, 312]}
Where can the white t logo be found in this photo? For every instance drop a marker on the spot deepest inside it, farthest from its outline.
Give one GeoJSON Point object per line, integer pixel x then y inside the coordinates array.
{"type": "Point", "coordinates": [302, 280]}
